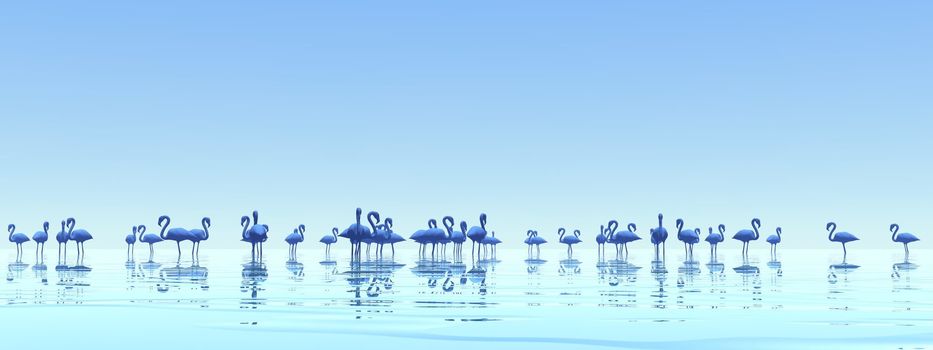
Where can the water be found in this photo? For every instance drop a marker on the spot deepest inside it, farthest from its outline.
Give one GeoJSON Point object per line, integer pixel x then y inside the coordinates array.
{"type": "Point", "coordinates": [224, 301]}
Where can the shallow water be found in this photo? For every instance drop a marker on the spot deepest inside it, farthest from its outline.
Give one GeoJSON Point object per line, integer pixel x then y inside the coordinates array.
{"type": "Point", "coordinates": [801, 302]}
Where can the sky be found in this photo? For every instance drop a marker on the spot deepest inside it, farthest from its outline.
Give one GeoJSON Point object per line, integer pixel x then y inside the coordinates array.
{"type": "Point", "coordinates": [542, 114]}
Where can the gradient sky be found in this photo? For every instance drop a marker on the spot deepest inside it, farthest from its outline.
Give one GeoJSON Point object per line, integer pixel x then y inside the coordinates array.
{"type": "Point", "coordinates": [539, 113]}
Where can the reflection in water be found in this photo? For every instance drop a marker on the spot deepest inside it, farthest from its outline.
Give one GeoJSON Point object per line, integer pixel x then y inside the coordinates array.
{"type": "Point", "coordinates": [533, 266]}
{"type": "Point", "coordinates": [254, 274]}
{"type": "Point", "coordinates": [569, 267]}
{"type": "Point", "coordinates": [390, 292]}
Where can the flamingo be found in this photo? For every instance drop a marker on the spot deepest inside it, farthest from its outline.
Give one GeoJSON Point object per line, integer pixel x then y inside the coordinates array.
{"type": "Point", "coordinates": [328, 240]}
{"type": "Point", "coordinates": [746, 236]}
{"type": "Point", "coordinates": [433, 235]}
{"type": "Point", "coordinates": [601, 241]}
{"type": "Point", "coordinates": [457, 238]}
{"type": "Point", "coordinates": [904, 238]}
{"type": "Point", "coordinates": [62, 238]}
{"type": "Point", "coordinates": [569, 240]}
{"type": "Point", "coordinates": [714, 239]}
{"type": "Point", "coordinates": [176, 234]}
{"type": "Point", "coordinates": [293, 239]}
{"type": "Point", "coordinates": [197, 235]}
{"type": "Point", "coordinates": [79, 236]}
{"type": "Point", "coordinates": [841, 237]}
{"type": "Point", "coordinates": [689, 237]}
{"type": "Point", "coordinates": [152, 238]}
{"type": "Point", "coordinates": [534, 240]}
{"type": "Point", "coordinates": [393, 237]}
{"type": "Point", "coordinates": [257, 235]}
{"type": "Point", "coordinates": [658, 237]}
{"type": "Point", "coordinates": [370, 217]}
{"type": "Point", "coordinates": [491, 241]}
{"type": "Point", "coordinates": [131, 244]}
{"type": "Point", "coordinates": [41, 237]}
{"type": "Point", "coordinates": [774, 240]}
{"type": "Point", "coordinates": [627, 236]}
{"type": "Point", "coordinates": [477, 233]}
{"type": "Point", "coordinates": [356, 233]}
{"type": "Point", "coordinates": [19, 239]}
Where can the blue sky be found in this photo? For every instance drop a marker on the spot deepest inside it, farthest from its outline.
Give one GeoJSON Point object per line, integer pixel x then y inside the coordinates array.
{"type": "Point", "coordinates": [539, 113]}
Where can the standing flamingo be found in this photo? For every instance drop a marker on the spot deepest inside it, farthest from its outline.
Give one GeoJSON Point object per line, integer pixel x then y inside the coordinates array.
{"type": "Point", "coordinates": [328, 240]}
{"type": "Point", "coordinates": [293, 239]}
{"type": "Point", "coordinates": [774, 240]}
{"type": "Point", "coordinates": [904, 238]}
{"type": "Point", "coordinates": [477, 233]}
{"type": "Point", "coordinates": [536, 241]}
{"type": "Point", "coordinates": [19, 239]}
{"type": "Point", "coordinates": [714, 239]}
{"type": "Point", "coordinates": [569, 240]}
{"type": "Point", "coordinates": [601, 242]}
{"type": "Point", "coordinates": [626, 237]}
{"type": "Point", "coordinates": [746, 236]}
{"type": "Point", "coordinates": [491, 242]}
{"type": "Point", "coordinates": [457, 238]}
{"type": "Point", "coordinates": [62, 238]}
{"type": "Point", "coordinates": [197, 235]}
{"type": "Point", "coordinates": [841, 237]}
{"type": "Point", "coordinates": [373, 218]}
{"type": "Point", "coordinates": [41, 237]}
{"type": "Point", "coordinates": [79, 236]}
{"type": "Point", "coordinates": [658, 237]}
{"type": "Point", "coordinates": [393, 237]}
{"type": "Point", "coordinates": [689, 237]}
{"type": "Point", "coordinates": [176, 234]}
{"type": "Point", "coordinates": [152, 238]}
{"type": "Point", "coordinates": [258, 234]}
{"type": "Point", "coordinates": [356, 232]}
{"type": "Point", "coordinates": [131, 244]}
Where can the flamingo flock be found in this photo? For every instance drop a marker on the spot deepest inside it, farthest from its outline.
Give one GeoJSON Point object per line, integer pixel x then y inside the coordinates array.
{"type": "Point", "coordinates": [380, 233]}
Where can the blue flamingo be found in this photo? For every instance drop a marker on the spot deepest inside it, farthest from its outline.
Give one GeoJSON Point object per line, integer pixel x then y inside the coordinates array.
{"type": "Point", "coordinates": [420, 237]}
{"type": "Point", "coordinates": [152, 238]}
{"type": "Point", "coordinates": [477, 233]}
{"type": "Point", "coordinates": [373, 218]}
{"type": "Point", "coordinates": [197, 235]}
{"type": "Point", "coordinates": [62, 238]}
{"type": "Point", "coordinates": [393, 237]}
{"type": "Point", "coordinates": [457, 238]}
{"type": "Point", "coordinates": [714, 239]}
{"type": "Point", "coordinates": [612, 237]}
{"type": "Point", "coordinates": [535, 241]}
{"type": "Point", "coordinates": [41, 237]}
{"type": "Point", "coordinates": [356, 232]}
{"type": "Point", "coordinates": [176, 234]}
{"type": "Point", "coordinates": [433, 235]}
{"type": "Point", "coordinates": [381, 237]}
{"type": "Point", "coordinates": [258, 234]}
{"type": "Point", "coordinates": [601, 241]}
{"type": "Point", "coordinates": [79, 236]}
{"type": "Point", "coordinates": [658, 237]}
{"type": "Point", "coordinates": [491, 242]}
{"type": "Point", "coordinates": [19, 239]}
{"type": "Point", "coordinates": [689, 237]}
{"type": "Point", "coordinates": [904, 238]}
{"type": "Point", "coordinates": [626, 237]}
{"type": "Point", "coordinates": [131, 244]}
{"type": "Point", "coordinates": [841, 237]}
{"type": "Point", "coordinates": [293, 239]}
{"type": "Point", "coordinates": [569, 240]}
{"type": "Point", "coordinates": [328, 240]}
{"type": "Point", "coordinates": [746, 236]}
{"type": "Point", "coordinates": [774, 240]}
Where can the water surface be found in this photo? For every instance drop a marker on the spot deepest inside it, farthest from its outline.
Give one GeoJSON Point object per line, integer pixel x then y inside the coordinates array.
{"type": "Point", "coordinates": [803, 299]}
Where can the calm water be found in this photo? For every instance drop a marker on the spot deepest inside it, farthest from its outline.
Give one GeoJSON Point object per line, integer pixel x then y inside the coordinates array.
{"type": "Point", "coordinates": [225, 301]}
